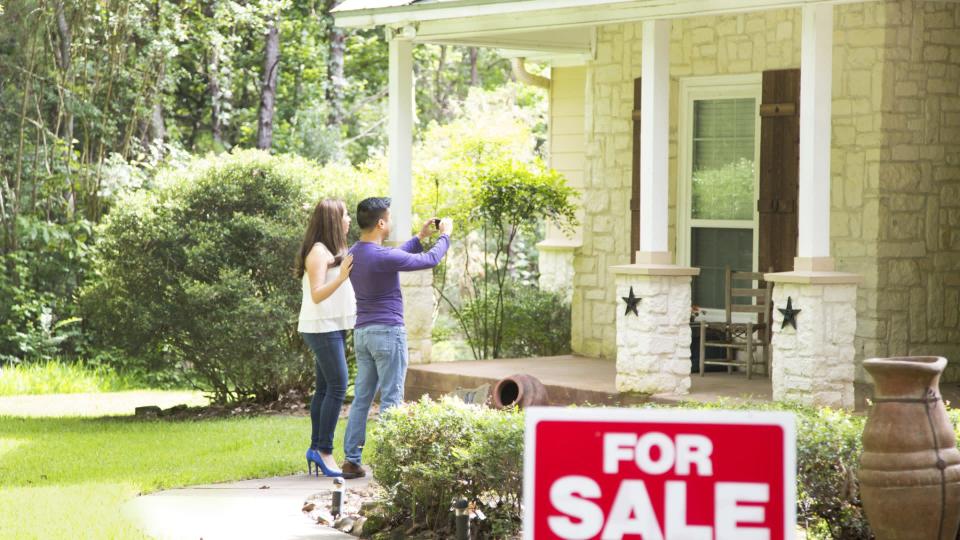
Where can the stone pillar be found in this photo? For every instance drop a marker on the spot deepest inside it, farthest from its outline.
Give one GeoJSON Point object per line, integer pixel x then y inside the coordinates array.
{"type": "Point", "coordinates": [653, 347]}
{"type": "Point", "coordinates": [419, 304]}
{"type": "Point", "coordinates": [556, 265]}
{"type": "Point", "coordinates": [814, 363]}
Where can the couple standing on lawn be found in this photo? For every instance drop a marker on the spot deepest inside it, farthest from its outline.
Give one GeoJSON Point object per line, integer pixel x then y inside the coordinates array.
{"type": "Point", "coordinates": [356, 289]}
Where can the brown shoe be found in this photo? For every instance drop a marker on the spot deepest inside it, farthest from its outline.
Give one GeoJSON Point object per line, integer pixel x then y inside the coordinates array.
{"type": "Point", "coordinates": [352, 470]}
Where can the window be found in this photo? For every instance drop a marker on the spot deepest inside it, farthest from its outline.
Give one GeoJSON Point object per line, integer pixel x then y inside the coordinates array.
{"type": "Point", "coordinates": [718, 180]}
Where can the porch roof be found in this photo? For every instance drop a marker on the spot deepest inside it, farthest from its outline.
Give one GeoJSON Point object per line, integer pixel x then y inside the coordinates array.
{"type": "Point", "coordinates": [532, 28]}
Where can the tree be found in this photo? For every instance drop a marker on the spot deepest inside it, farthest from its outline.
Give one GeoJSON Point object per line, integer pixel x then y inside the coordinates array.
{"type": "Point", "coordinates": [336, 40]}
{"type": "Point", "coordinates": [506, 198]}
{"type": "Point", "coordinates": [271, 64]}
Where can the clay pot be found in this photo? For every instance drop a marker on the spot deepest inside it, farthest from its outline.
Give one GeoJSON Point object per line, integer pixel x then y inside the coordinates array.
{"type": "Point", "coordinates": [910, 467]}
{"type": "Point", "coordinates": [520, 390]}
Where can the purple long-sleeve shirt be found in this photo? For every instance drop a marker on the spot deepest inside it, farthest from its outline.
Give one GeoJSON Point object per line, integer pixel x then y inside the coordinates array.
{"type": "Point", "coordinates": [376, 277]}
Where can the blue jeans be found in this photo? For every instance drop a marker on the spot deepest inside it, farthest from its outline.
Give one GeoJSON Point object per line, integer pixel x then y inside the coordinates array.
{"type": "Point", "coordinates": [331, 386]}
{"type": "Point", "coordinates": [381, 363]}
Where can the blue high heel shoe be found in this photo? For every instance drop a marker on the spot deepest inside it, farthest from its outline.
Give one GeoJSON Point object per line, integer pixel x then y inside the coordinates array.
{"type": "Point", "coordinates": [316, 465]}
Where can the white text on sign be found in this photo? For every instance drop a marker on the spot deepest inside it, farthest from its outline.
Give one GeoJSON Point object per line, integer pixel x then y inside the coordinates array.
{"type": "Point", "coordinates": [737, 505]}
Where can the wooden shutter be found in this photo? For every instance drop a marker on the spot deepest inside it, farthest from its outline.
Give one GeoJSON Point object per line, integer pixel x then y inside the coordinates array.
{"type": "Point", "coordinates": [779, 169]}
{"type": "Point", "coordinates": [635, 184]}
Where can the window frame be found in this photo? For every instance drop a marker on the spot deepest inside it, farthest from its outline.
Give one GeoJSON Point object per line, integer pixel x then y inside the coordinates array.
{"type": "Point", "coordinates": [710, 88]}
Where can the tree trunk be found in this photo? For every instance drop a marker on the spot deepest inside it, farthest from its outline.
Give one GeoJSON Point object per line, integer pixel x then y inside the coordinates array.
{"type": "Point", "coordinates": [213, 83]}
{"type": "Point", "coordinates": [439, 88]}
{"type": "Point", "coordinates": [473, 54]}
{"type": "Point", "coordinates": [216, 97]}
{"type": "Point", "coordinates": [158, 131]}
{"type": "Point", "coordinates": [337, 40]}
{"type": "Point", "coordinates": [66, 40]}
{"type": "Point", "coordinates": [268, 93]}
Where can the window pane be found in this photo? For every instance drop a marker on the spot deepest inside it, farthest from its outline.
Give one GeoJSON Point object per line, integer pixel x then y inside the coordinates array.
{"type": "Point", "coordinates": [713, 249]}
{"type": "Point", "coordinates": [723, 152]}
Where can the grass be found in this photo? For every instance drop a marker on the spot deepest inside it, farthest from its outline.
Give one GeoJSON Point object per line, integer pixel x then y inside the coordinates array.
{"type": "Point", "coordinates": [67, 477]}
{"type": "Point", "coordinates": [56, 377]}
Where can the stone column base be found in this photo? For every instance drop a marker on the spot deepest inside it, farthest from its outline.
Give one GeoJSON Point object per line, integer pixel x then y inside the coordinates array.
{"type": "Point", "coordinates": [419, 304]}
{"type": "Point", "coordinates": [556, 265]}
{"type": "Point", "coordinates": [814, 363]}
{"type": "Point", "coordinates": [653, 347]}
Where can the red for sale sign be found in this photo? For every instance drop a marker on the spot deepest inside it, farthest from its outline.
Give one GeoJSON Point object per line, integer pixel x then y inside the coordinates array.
{"type": "Point", "coordinates": [659, 474]}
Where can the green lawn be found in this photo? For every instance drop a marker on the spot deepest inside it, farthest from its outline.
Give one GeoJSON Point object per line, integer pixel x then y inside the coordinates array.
{"type": "Point", "coordinates": [67, 477]}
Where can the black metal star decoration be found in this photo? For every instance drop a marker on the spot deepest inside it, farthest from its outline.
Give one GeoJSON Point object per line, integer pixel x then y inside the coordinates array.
{"type": "Point", "coordinates": [789, 315]}
{"type": "Point", "coordinates": [632, 302]}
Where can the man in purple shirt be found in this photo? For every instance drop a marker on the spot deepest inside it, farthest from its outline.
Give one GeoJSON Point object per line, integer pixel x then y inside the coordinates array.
{"type": "Point", "coordinates": [379, 337]}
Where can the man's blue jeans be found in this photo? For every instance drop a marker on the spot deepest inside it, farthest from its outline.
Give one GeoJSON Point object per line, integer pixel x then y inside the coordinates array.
{"type": "Point", "coordinates": [381, 363]}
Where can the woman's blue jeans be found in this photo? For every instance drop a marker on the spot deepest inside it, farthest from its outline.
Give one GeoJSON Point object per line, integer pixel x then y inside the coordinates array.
{"type": "Point", "coordinates": [331, 362]}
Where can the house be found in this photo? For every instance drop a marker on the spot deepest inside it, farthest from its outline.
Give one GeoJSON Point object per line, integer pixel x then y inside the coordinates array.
{"type": "Point", "coordinates": [817, 139]}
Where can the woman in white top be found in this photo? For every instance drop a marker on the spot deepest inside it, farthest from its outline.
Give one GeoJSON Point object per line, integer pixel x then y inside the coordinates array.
{"type": "Point", "coordinates": [327, 311]}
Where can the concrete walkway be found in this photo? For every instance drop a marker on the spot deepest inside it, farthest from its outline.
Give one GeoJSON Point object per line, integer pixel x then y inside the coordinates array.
{"type": "Point", "coordinates": [254, 509]}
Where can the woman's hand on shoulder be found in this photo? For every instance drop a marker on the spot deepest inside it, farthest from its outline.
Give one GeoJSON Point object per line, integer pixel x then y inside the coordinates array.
{"type": "Point", "coordinates": [346, 266]}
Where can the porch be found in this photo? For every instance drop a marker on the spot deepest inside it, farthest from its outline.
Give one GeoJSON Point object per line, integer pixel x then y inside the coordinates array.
{"type": "Point", "coordinates": [577, 380]}
{"type": "Point", "coordinates": [626, 83]}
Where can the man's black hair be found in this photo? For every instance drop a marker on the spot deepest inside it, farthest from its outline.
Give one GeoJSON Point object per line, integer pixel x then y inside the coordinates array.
{"type": "Point", "coordinates": [371, 210]}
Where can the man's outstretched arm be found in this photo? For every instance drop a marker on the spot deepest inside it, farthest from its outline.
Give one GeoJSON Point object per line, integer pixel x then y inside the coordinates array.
{"type": "Point", "coordinates": [400, 260]}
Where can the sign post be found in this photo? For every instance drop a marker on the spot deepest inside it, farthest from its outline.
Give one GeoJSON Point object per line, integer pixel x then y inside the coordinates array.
{"type": "Point", "coordinates": [659, 474]}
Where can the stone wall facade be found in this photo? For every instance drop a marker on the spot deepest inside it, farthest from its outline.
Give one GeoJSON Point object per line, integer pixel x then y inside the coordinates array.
{"type": "Point", "coordinates": [895, 199]}
{"type": "Point", "coordinates": [918, 252]}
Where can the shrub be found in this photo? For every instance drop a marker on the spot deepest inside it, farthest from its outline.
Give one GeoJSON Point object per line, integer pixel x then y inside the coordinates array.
{"type": "Point", "coordinates": [432, 452]}
{"type": "Point", "coordinates": [38, 319]}
{"type": "Point", "coordinates": [535, 322]}
{"type": "Point", "coordinates": [828, 457]}
{"type": "Point", "coordinates": [196, 275]}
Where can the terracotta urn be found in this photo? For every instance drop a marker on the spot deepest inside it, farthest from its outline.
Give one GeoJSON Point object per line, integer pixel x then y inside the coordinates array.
{"type": "Point", "coordinates": [910, 467]}
{"type": "Point", "coordinates": [521, 390]}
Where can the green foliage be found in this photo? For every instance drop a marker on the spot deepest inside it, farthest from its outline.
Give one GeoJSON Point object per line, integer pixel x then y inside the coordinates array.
{"type": "Point", "coordinates": [828, 457]}
{"type": "Point", "coordinates": [508, 199]}
{"type": "Point", "coordinates": [536, 323]}
{"type": "Point", "coordinates": [196, 275]}
{"type": "Point", "coordinates": [56, 377]}
{"type": "Point", "coordinates": [38, 319]}
{"type": "Point", "coordinates": [725, 192]}
{"type": "Point", "coordinates": [433, 452]}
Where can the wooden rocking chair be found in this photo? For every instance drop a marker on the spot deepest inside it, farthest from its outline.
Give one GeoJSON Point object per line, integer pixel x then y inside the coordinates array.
{"type": "Point", "coordinates": [740, 335]}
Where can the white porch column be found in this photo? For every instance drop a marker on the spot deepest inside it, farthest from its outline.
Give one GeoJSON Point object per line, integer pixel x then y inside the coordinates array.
{"type": "Point", "coordinates": [654, 140]}
{"type": "Point", "coordinates": [816, 78]}
{"type": "Point", "coordinates": [400, 135]}
{"type": "Point", "coordinates": [418, 299]}
{"type": "Point", "coordinates": [813, 362]}
{"type": "Point", "coordinates": [653, 344]}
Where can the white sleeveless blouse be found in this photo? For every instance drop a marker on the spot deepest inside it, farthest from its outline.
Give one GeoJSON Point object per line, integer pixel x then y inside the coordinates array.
{"type": "Point", "coordinates": [337, 312]}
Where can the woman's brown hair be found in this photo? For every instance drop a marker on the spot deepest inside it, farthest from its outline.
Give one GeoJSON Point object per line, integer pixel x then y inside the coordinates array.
{"type": "Point", "coordinates": [326, 227]}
